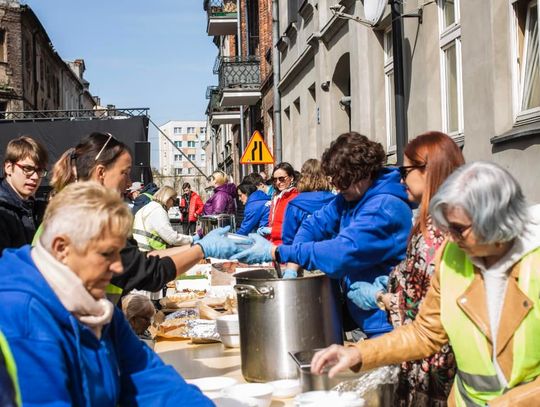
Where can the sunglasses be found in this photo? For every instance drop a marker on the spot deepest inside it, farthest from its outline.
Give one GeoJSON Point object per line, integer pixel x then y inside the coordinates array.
{"type": "Point", "coordinates": [405, 170]}
{"type": "Point", "coordinates": [29, 170]}
{"type": "Point", "coordinates": [280, 179]}
{"type": "Point", "coordinates": [458, 231]}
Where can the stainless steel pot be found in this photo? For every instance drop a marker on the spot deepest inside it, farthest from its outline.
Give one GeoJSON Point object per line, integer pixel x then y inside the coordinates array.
{"type": "Point", "coordinates": [279, 316]}
{"type": "Point", "coordinates": [208, 223]}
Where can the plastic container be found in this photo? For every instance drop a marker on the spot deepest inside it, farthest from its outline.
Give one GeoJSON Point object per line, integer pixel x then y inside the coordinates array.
{"type": "Point", "coordinates": [259, 391]}
{"type": "Point", "coordinates": [213, 384]}
{"type": "Point", "coordinates": [285, 389]}
{"type": "Point", "coordinates": [328, 398]}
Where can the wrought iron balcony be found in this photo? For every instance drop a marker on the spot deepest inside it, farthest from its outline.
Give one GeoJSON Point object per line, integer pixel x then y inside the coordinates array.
{"type": "Point", "coordinates": [217, 114]}
{"type": "Point", "coordinates": [239, 80]}
{"type": "Point", "coordinates": [222, 17]}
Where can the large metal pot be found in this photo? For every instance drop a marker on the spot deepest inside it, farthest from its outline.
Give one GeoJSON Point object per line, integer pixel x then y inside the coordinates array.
{"type": "Point", "coordinates": [208, 223]}
{"type": "Point", "coordinates": [280, 316]}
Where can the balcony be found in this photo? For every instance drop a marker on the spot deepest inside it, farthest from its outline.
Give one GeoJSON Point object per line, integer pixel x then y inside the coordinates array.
{"type": "Point", "coordinates": [239, 80]}
{"type": "Point", "coordinates": [217, 114]}
{"type": "Point", "coordinates": [222, 17]}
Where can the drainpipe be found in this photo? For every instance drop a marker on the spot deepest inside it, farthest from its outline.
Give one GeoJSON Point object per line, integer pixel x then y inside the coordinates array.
{"type": "Point", "coordinates": [276, 76]}
{"type": "Point", "coordinates": [239, 54]}
{"type": "Point", "coordinates": [399, 83]}
{"type": "Point", "coordinates": [34, 62]}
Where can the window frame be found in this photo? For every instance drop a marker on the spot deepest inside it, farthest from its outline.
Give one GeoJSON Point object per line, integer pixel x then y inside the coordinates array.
{"type": "Point", "coordinates": [451, 36]}
{"type": "Point", "coordinates": [529, 115]}
{"type": "Point", "coordinates": [389, 93]}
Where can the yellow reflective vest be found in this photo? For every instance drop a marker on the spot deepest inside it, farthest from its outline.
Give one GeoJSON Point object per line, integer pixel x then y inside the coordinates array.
{"type": "Point", "coordinates": [476, 382]}
{"type": "Point", "coordinates": [10, 367]}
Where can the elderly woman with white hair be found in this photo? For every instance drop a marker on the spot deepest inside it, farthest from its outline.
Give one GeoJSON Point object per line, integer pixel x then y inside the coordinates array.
{"type": "Point", "coordinates": [484, 298]}
{"type": "Point", "coordinates": [70, 344]}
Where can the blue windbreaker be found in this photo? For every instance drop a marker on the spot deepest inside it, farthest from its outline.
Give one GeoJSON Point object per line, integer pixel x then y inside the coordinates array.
{"type": "Point", "coordinates": [255, 213]}
{"type": "Point", "coordinates": [60, 362]}
{"type": "Point", "coordinates": [301, 208]}
{"type": "Point", "coordinates": [357, 241]}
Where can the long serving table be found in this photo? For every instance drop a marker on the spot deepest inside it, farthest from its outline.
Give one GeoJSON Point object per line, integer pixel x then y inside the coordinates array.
{"type": "Point", "coordinates": [194, 361]}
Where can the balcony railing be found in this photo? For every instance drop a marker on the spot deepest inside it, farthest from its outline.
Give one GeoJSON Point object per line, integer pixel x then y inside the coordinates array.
{"type": "Point", "coordinates": [239, 72]}
{"type": "Point", "coordinates": [220, 115]}
{"type": "Point", "coordinates": [222, 17]}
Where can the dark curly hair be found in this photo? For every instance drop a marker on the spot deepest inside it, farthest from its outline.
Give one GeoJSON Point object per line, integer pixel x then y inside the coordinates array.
{"type": "Point", "coordinates": [352, 157]}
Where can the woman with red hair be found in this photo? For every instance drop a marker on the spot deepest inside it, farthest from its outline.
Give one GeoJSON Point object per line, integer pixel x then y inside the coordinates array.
{"type": "Point", "coordinates": [428, 160]}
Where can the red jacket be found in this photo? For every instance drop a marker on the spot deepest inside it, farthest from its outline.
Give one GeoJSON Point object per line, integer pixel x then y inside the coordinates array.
{"type": "Point", "coordinates": [277, 213]}
{"type": "Point", "coordinates": [195, 207]}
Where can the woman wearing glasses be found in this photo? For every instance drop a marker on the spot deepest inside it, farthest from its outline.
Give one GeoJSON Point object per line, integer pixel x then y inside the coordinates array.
{"type": "Point", "coordinates": [25, 165]}
{"type": "Point", "coordinates": [102, 158]}
{"type": "Point", "coordinates": [284, 180]}
{"type": "Point", "coordinates": [428, 160]}
{"type": "Point", "coordinates": [483, 299]}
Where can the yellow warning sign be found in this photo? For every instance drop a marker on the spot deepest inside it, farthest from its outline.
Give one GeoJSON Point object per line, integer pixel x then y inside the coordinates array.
{"type": "Point", "coordinates": [257, 151]}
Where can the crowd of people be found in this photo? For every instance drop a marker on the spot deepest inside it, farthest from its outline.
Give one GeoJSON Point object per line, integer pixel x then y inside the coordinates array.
{"type": "Point", "coordinates": [438, 262]}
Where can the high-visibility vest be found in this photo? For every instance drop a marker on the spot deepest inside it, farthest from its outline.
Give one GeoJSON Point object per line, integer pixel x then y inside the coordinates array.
{"type": "Point", "coordinates": [146, 240]}
{"type": "Point", "coordinates": [476, 382]}
{"type": "Point", "coordinates": [10, 367]}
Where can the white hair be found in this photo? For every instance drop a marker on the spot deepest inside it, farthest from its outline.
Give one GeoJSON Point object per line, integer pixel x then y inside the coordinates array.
{"type": "Point", "coordinates": [489, 195]}
{"type": "Point", "coordinates": [83, 211]}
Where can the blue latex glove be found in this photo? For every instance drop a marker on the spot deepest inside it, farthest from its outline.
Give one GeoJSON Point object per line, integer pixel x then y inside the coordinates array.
{"type": "Point", "coordinates": [196, 237]}
{"type": "Point", "coordinates": [290, 273]}
{"type": "Point", "coordinates": [215, 244]}
{"type": "Point", "coordinates": [260, 252]}
{"type": "Point", "coordinates": [382, 283]}
{"type": "Point", "coordinates": [364, 294]}
{"type": "Point", "coordinates": [264, 230]}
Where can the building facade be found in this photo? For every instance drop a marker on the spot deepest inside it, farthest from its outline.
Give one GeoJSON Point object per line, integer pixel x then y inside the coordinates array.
{"type": "Point", "coordinates": [32, 74]}
{"type": "Point", "coordinates": [178, 161]}
{"type": "Point", "coordinates": [471, 70]}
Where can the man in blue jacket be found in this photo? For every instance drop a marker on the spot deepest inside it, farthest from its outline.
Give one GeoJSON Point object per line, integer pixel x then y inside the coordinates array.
{"type": "Point", "coordinates": [360, 235]}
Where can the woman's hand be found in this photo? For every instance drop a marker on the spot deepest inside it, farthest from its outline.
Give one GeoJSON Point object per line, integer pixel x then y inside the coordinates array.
{"type": "Point", "coordinates": [341, 357]}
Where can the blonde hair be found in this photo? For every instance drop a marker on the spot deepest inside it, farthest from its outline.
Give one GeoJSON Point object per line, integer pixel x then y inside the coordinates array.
{"type": "Point", "coordinates": [220, 177]}
{"type": "Point", "coordinates": [164, 194]}
{"type": "Point", "coordinates": [313, 178]}
{"type": "Point", "coordinates": [84, 212]}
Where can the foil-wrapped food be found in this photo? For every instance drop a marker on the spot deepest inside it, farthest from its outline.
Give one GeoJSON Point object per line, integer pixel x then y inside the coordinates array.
{"type": "Point", "coordinates": [202, 331]}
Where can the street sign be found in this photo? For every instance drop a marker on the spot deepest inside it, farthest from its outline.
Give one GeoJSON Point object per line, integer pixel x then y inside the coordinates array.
{"type": "Point", "coordinates": [257, 151]}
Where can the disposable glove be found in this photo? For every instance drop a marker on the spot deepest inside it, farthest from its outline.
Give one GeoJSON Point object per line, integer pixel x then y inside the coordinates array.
{"type": "Point", "coordinates": [364, 294]}
{"type": "Point", "coordinates": [264, 230]}
{"type": "Point", "coordinates": [382, 283]}
{"type": "Point", "coordinates": [260, 252]}
{"type": "Point", "coordinates": [196, 237]}
{"type": "Point", "coordinates": [290, 273]}
{"type": "Point", "coordinates": [215, 244]}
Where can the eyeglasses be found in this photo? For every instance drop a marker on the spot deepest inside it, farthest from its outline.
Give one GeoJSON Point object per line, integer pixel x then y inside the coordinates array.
{"type": "Point", "coordinates": [29, 170]}
{"type": "Point", "coordinates": [280, 179]}
{"type": "Point", "coordinates": [458, 231]}
{"type": "Point", "coordinates": [405, 170]}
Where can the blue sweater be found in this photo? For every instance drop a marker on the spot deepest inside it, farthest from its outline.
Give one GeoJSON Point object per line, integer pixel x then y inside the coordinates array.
{"type": "Point", "coordinates": [301, 208]}
{"type": "Point", "coordinates": [357, 241]}
{"type": "Point", "coordinates": [61, 362]}
{"type": "Point", "coordinates": [255, 213]}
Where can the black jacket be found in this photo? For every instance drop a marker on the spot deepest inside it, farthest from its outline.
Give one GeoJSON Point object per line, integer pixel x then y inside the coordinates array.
{"type": "Point", "coordinates": [17, 218]}
{"type": "Point", "coordinates": [143, 272]}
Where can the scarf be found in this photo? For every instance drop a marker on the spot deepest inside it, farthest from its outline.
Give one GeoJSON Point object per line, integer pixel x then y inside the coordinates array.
{"type": "Point", "coordinates": [71, 292]}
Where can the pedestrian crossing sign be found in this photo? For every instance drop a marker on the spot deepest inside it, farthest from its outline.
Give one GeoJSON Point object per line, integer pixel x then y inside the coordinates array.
{"type": "Point", "coordinates": [257, 152]}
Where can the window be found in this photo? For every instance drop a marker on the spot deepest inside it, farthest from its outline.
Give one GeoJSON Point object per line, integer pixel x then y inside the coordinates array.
{"type": "Point", "coordinates": [190, 130]}
{"type": "Point", "coordinates": [2, 46]}
{"type": "Point", "coordinates": [451, 80]}
{"type": "Point", "coordinates": [178, 144]}
{"type": "Point", "coordinates": [389, 93]}
{"type": "Point", "coordinates": [203, 130]}
{"type": "Point", "coordinates": [191, 157]}
{"type": "Point", "coordinates": [203, 157]}
{"type": "Point", "coordinates": [178, 171]}
{"type": "Point", "coordinates": [191, 143]}
{"type": "Point", "coordinates": [527, 65]}
{"type": "Point", "coordinates": [292, 11]}
{"type": "Point", "coordinates": [178, 130]}
{"type": "Point", "coordinates": [178, 157]}
{"type": "Point", "coordinates": [190, 170]}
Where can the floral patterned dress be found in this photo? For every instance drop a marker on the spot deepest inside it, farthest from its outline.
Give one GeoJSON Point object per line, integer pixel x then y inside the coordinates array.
{"type": "Point", "coordinates": [424, 382]}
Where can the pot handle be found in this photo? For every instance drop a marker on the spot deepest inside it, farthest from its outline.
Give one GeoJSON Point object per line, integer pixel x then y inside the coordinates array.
{"type": "Point", "coordinates": [246, 289]}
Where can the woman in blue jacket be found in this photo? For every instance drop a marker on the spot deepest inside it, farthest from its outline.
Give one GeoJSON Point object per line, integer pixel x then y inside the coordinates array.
{"type": "Point", "coordinates": [257, 208]}
{"type": "Point", "coordinates": [360, 235]}
{"type": "Point", "coordinates": [72, 346]}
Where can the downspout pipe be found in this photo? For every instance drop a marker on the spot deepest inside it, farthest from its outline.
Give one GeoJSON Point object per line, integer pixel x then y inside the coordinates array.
{"type": "Point", "coordinates": [239, 54]}
{"type": "Point", "coordinates": [278, 147]}
{"type": "Point", "coordinates": [399, 82]}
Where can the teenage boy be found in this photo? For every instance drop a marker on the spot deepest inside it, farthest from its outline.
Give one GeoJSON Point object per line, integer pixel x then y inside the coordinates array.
{"type": "Point", "coordinates": [25, 163]}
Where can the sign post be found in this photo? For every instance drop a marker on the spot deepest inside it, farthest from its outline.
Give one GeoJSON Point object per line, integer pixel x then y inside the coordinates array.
{"type": "Point", "coordinates": [257, 152]}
